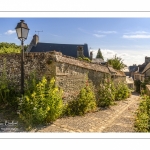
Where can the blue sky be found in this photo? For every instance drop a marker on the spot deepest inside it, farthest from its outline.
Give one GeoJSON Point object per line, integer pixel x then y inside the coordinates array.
{"type": "Point", "coordinates": [129, 38]}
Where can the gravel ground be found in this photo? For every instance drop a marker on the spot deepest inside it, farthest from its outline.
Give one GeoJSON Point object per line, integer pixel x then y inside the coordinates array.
{"type": "Point", "coordinates": [117, 118]}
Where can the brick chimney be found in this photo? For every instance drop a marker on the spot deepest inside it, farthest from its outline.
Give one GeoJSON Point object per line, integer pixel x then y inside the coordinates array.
{"type": "Point", "coordinates": [80, 51]}
{"type": "Point", "coordinates": [34, 42]}
{"type": "Point", "coordinates": [35, 39]}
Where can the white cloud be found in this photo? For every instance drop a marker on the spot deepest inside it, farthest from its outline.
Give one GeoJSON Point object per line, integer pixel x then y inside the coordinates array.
{"type": "Point", "coordinates": [138, 36]}
{"type": "Point", "coordinates": [98, 35]}
{"type": "Point", "coordinates": [138, 32]}
{"type": "Point", "coordinates": [9, 32]}
{"type": "Point", "coordinates": [129, 57]}
{"type": "Point", "coordinates": [107, 32]}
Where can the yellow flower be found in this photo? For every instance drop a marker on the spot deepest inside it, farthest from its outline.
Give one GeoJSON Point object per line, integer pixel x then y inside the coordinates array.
{"type": "Point", "coordinates": [33, 94]}
{"type": "Point", "coordinates": [48, 108]}
{"type": "Point", "coordinates": [27, 98]}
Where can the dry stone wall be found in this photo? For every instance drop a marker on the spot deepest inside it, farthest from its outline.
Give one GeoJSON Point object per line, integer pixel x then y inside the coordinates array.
{"type": "Point", "coordinates": [71, 74]}
{"type": "Point", "coordinates": [33, 62]}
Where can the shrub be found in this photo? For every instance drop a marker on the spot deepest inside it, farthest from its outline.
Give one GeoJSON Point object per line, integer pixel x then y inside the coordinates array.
{"type": "Point", "coordinates": [137, 84]}
{"type": "Point", "coordinates": [43, 105]}
{"type": "Point", "coordinates": [84, 103]}
{"type": "Point", "coordinates": [143, 116]}
{"type": "Point", "coordinates": [122, 91]}
{"type": "Point", "coordinates": [106, 93]}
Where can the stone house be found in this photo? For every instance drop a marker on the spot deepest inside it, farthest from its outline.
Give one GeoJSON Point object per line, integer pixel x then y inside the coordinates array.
{"type": "Point", "coordinates": [98, 60]}
{"type": "Point", "coordinates": [129, 79]}
{"type": "Point", "coordinates": [141, 71]}
{"type": "Point", "coordinates": [130, 82]}
{"type": "Point", "coordinates": [73, 50]}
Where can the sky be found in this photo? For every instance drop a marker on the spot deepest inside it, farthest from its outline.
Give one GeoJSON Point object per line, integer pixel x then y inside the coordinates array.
{"type": "Point", "coordinates": [128, 38]}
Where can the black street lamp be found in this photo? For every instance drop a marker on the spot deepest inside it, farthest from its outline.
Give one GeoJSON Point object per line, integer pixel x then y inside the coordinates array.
{"type": "Point", "coordinates": [22, 33]}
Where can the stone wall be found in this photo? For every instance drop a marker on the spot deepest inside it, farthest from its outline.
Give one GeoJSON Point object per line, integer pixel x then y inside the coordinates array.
{"type": "Point", "coordinates": [148, 90]}
{"type": "Point", "coordinates": [38, 62]}
{"type": "Point", "coordinates": [70, 73]}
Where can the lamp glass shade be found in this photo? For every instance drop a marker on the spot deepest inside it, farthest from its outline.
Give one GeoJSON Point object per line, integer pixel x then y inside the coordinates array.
{"type": "Point", "coordinates": [22, 30]}
{"type": "Point", "coordinates": [18, 30]}
{"type": "Point", "coordinates": [24, 33]}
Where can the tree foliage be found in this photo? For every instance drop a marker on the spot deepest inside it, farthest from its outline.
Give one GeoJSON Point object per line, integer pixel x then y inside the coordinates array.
{"type": "Point", "coordinates": [99, 54]}
{"type": "Point", "coordinates": [116, 62]}
{"type": "Point", "coordinates": [11, 48]}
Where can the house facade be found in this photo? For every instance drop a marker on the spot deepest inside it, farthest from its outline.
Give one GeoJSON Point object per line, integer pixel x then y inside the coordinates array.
{"type": "Point", "coordinates": [140, 72]}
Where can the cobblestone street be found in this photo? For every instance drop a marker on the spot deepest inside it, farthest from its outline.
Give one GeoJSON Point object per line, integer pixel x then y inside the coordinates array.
{"type": "Point", "coordinates": [117, 118]}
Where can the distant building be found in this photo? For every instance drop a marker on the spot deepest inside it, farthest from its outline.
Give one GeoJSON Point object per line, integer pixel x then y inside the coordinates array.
{"type": "Point", "coordinates": [73, 50]}
{"type": "Point", "coordinates": [130, 82]}
{"type": "Point", "coordinates": [98, 61]}
{"type": "Point", "coordinates": [126, 71]}
{"type": "Point", "coordinates": [141, 71]}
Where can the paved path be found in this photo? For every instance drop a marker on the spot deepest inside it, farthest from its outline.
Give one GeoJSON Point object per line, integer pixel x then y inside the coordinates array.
{"type": "Point", "coordinates": [117, 118]}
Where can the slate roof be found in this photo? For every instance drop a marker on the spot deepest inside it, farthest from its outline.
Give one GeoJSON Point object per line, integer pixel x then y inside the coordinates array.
{"type": "Point", "coordinates": [146, 68]}
{"type": "Point", "coordinates": [141, 68]}
{"type": "Point", "coordinates": [65, 49]}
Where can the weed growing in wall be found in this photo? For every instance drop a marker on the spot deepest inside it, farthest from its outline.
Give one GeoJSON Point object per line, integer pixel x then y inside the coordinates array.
{"type": "Point", "coordinates": [43, 105]}
{"type": "Point", "coordinates": [84, 103]}
{"type": "Point", "coordinates": [31, 82]}
{"type": "Point", "coordinates": [86, 59]}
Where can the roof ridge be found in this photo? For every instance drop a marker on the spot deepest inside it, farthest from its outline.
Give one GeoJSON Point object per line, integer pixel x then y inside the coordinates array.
{"type": "Point", "coordinates": [60, 43]}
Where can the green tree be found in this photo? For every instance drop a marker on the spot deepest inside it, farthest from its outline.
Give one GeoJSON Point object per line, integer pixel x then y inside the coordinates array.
{"type": "Point", "coordinates": [11, 47]}
{"type": "Point", "coordinates": [116, 62]}
{"type": "Point", "coordinates": [99, 54]}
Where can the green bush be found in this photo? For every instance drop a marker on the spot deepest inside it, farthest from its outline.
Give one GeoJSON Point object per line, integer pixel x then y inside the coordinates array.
{"type": "Point", "coordinates": [142, 121]}
{"type": "Point", "coordinates": [43, 105]}
{"type": "Point", "coordinates": [122, 91]}
{"type": "Point", "coordinates": [84, 103]}
{"type": "Point", "coordinates": [106, 93]}
{"type": "Point", "coordinates": [137, 84]}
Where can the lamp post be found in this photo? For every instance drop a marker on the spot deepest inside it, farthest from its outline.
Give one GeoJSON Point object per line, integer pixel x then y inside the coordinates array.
{"type": "Point", "coordinates": [22, 33]}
